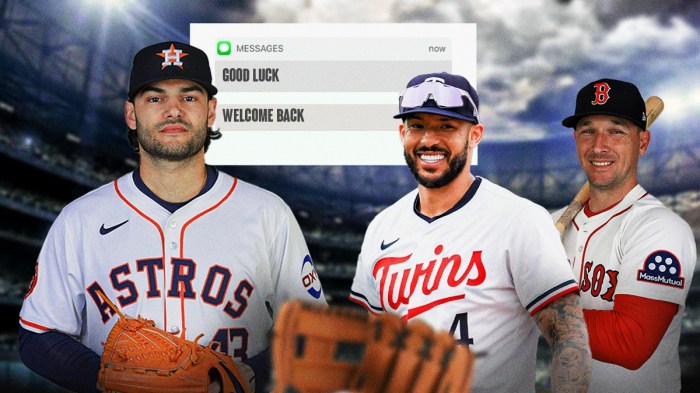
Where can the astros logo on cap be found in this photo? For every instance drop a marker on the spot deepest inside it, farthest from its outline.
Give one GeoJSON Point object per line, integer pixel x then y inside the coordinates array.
{"type": "Point", "coordinates": [172, 56]}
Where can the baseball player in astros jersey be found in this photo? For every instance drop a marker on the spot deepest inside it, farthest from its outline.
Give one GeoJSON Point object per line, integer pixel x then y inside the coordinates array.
{"type": "Point", "coordinates": [468, 256]}
{"type": "Point", "coordinates": [176, 241]}
{"type": "Point", "coordinates": [633, 257]}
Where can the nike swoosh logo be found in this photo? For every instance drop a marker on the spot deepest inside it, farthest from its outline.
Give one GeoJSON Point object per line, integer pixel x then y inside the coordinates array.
{"type": "Point", "coordinates": [104, 231]}
{"type": "Point", "coordinates": [384, 246]}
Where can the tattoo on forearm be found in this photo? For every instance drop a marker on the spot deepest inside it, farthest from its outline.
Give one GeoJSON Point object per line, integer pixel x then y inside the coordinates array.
{"type": "Point", "coordinates": [564, 327]}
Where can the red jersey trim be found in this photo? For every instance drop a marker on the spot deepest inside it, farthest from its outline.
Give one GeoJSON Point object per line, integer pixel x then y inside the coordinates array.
{"type": "Point", "coordinates": [588, 239]}
{"type": "Point", "coordinates": [363, 304]}
{"type": "Point", "coordinates": [565, 291]}
{"type": "Point", "coordinates": [591, 213]}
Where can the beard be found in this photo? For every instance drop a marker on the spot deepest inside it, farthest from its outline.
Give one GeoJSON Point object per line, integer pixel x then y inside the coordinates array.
{"type": "Point", "coordinates": [456, 165]}
{"type": "Point", "coordinates": [174, 152]}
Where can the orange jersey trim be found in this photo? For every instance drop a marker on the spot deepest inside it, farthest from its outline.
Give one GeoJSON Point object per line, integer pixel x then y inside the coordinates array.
{"type": "Point", "coordinates": [34, 325]}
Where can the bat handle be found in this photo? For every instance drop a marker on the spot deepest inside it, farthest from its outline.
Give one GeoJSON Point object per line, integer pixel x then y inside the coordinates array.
{"type": "Point", "coordinates": [574, 207]}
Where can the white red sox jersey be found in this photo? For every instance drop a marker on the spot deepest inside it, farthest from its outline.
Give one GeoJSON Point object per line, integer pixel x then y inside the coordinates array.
{"type": "Point", "coordinates": [637, 247]}
{"type": "Point", "coordinates": [480, 271]}
{"type": "Point", "coordinates": [220, 265]}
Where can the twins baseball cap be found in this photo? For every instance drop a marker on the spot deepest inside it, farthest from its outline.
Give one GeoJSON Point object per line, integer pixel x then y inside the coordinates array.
{"type": "Point", "coordinates": [441, 94]}
{"type": "Point", "coordinates": [609, 97]}
{"type": "Point", "coordinates": [169, 60]}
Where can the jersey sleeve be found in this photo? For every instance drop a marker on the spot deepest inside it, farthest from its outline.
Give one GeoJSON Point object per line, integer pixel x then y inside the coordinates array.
{"type": "Point", "coordinates": [537, 259]}
{"type": "Point", "coordinates": [628, 334]}
{"type": "Point", "coordinates": [658, 256]}
{"type": "Point", "coordinates": [295, 276]}
{"type": "Point", "coordinates": [55, 299]}
{"type": "Point", "coordinates": [364, 290]}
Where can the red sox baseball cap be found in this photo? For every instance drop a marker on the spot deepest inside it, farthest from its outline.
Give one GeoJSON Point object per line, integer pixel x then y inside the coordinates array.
{"type": "Point", "coordinates": [441, 94]}
{"type": "Point", "coordinates": [169, 60]}
{"type": "Point", "coordinates": [609, 97]}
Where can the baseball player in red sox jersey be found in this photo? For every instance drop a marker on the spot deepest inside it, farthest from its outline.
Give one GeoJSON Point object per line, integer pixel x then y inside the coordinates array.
{"type": "Point", "coordinates": [176, 241]}
{"type": "Point", "coordinates": [633, 257]}
{"type": "Point", "coordinates": [468, 256]}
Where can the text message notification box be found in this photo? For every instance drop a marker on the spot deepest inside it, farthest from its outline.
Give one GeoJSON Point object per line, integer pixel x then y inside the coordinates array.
{"type": "Point", "coordinates": [321, 94]}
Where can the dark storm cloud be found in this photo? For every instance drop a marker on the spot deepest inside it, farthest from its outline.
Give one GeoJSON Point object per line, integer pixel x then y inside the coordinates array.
{"type": "Point", "coordinates": [534, 56]}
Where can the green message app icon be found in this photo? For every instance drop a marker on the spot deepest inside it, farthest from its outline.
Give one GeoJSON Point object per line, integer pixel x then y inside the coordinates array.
{"type": "Point", "coordinates": [223, 48]}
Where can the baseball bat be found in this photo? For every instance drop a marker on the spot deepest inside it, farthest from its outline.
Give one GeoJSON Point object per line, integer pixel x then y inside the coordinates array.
{"type": "Point", "coordinates": [654, 106]}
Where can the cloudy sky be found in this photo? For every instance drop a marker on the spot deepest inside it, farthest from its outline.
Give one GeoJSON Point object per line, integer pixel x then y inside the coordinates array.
{"type": "Point", "coordinates": [534, 55]}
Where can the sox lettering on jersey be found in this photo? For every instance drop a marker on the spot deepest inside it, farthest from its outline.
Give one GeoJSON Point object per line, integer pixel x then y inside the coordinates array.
{"type": "Point", "coordinates": [592, 279]}
{"type": "Point", "coordinates": [660, 267]}
{"type": "Point", "coordinates": [429, 276]}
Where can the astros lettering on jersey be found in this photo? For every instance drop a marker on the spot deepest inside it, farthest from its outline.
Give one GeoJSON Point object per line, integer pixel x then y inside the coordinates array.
{"type": "Point", "coordinates": [636, 247]}
{"type": "Point", "coordinates": [220, 265]}
{"type": "Point", "coordinates": [480, 271]}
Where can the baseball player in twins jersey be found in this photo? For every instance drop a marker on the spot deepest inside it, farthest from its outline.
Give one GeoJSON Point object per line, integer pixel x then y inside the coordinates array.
{"type": "Point", "coordinates": [486, 265]}
{"type": "Point", "coordinates": [175, 241]}
{"type": "Point", "coordinates": [633, 257]}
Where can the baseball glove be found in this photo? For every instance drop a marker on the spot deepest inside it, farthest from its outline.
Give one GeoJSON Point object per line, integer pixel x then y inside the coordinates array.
{"type": "Point", "coordinates": [139, 357]}
{"type": "Point", "coordinates": [325, 349]}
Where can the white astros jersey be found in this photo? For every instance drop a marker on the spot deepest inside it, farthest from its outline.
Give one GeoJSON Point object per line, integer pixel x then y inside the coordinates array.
{"type": "Point", "coordinates": [221, 265]}
{"type": "Point", "coordinates": [479, 271]}
{"type": "Point", "coordinates": [637, 247]}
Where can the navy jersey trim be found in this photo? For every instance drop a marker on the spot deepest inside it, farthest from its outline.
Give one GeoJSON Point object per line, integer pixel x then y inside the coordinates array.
{"type": "Point", "coordinates": [463, 201]}
{"type": "Point", "coordinates": [363, 297]}
{"type": "Point", "coordinates": [212, 176]}
{"type": "Point", "coordinates": [548, 293]}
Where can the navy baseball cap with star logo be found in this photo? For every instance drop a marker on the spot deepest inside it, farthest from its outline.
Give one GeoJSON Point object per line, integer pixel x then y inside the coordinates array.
{"type": "Point", "coordinates": [169, 60]}
{"type": "Point", "coordinates": [609, 97]}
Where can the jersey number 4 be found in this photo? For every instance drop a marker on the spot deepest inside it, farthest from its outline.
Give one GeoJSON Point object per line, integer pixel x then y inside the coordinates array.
{"type": "Point", "coordinates": [460, 322]}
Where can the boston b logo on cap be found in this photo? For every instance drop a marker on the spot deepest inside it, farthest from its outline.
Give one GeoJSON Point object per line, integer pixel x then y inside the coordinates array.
{"type": "Point", "coordinates": [601, 93]}
{"type": "Point", "coordinates": [169, 60]}
{"type": "Point", "coordinates": [609, 97]}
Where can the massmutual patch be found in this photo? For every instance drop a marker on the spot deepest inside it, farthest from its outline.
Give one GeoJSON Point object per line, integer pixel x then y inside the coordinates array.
{"type": "Point", "coordinates": [662, 267]}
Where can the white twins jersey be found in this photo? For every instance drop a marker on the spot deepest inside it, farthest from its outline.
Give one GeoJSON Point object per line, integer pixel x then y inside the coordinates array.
{"type": "Point", "coordinates": [637, 247]}
{"type": "Point", "coordinates": [220, 265]}
{"type": "Point", "coordinates": [479, 271]}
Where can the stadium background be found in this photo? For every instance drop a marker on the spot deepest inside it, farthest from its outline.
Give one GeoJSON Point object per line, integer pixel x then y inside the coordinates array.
{"type": "Point", "coordinates": [64, 70]}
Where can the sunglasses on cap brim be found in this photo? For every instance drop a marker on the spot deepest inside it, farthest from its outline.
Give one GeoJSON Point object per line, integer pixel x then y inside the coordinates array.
{"type": "Point", "coordinates": [445, 96]}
